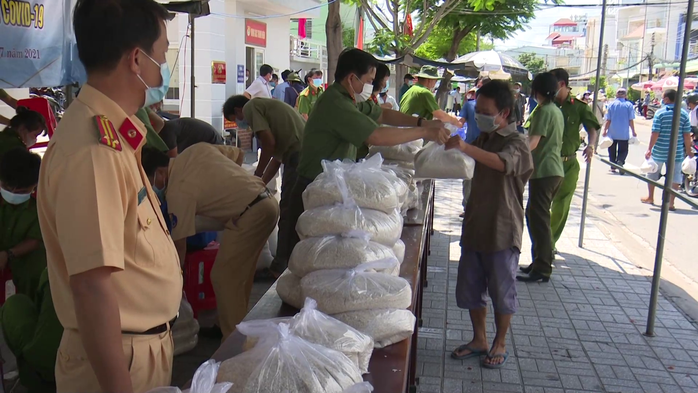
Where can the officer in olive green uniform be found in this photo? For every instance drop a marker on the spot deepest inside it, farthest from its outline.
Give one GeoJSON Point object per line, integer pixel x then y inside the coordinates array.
{"type": "Point", "coordinates": [33, 332]}
{"type": "Point", "coordinates": [419, 99]}
{"type": "Point", "coordinates": [22, 130]}
{"type": "Point", "coordinates": [577, 114]}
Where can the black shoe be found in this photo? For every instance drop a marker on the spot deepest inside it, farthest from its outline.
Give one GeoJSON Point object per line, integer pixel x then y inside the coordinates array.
{"type": "Point", "coordinates": [213, 332]}
{"type": "Point", "coordinates": [526, 269]}
{"type": "Point", "coordinates": [533, 277]}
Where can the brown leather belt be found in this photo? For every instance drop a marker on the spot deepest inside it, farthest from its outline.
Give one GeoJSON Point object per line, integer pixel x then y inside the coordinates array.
{"type": "Point", "coordinates": [567, 158]}
{"type": "Point", "coordinates": [156, 330]}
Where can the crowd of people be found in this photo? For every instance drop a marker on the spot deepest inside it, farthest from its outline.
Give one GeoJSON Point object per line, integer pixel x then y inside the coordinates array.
{"type": "Point", "coordinates": [95, 234]}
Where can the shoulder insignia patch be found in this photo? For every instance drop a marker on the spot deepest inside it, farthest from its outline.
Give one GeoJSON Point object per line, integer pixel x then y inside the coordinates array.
{"type": "Point", "coordinates": [173, 220]}
{"type": "Point", "coordinates": [130, 133]}
{"type": "Point", "coordinates": [107, 133]}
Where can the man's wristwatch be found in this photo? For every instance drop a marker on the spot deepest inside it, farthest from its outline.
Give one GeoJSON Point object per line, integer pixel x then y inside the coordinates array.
{"type": "Point", "coordinates": [419, 121]}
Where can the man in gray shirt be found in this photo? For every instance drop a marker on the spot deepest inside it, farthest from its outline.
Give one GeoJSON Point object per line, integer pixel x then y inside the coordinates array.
{"type": "Point", "coordinates": [493, 223]}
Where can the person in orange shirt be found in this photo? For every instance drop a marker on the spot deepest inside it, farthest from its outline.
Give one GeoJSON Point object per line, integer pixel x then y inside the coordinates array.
{"type": "Point", "coordinates": [115, 276]}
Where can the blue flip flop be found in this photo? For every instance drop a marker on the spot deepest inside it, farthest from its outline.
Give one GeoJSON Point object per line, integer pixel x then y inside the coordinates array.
{"type": "Point", "coordinates": [505, 355]}
{"type": "Point", "coordinates": [473, 353]}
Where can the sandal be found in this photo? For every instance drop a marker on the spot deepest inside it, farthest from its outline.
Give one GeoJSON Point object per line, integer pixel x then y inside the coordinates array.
{"type": "Point", "coordinates": [466, 347]}
{"type": "Point", "coordinates": [647, 201]}
{"type": "Point", "coordinates": [504, 355]}
{"type": "Point", "coordinates": [672, 208]}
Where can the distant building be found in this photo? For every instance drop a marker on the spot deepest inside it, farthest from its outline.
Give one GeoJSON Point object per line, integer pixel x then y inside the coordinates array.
{"type": "Point", "coordinates": [567, 35]}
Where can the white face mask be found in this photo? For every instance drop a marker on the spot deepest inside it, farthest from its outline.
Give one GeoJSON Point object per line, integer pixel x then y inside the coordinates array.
{"type": "Point", "coordinates": [29, 141]}
{"type": "Point", "coordinates": [486, 123]}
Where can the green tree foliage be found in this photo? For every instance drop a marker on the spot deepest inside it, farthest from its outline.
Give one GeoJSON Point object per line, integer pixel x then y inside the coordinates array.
{"type": "Point", "coordinates": [348, 35]}
{"type": "Point", "coordinates": [438, 44]}
{"type": "Point", "coordinates": [533, 63]}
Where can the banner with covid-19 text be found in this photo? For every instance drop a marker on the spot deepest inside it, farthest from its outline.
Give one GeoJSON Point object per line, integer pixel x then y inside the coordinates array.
{"type": "Point", "coordinates": [35, 48]}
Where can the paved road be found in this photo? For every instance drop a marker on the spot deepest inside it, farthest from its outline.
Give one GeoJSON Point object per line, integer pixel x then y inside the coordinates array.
{"type": "Point", "coordinates": [620, 197]}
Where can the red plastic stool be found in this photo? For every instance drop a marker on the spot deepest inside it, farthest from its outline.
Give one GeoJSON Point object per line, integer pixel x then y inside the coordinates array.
{"type": "Point", "coordinates": [197, 278]}
{"type": "Point", "coordinates": [7, 287]}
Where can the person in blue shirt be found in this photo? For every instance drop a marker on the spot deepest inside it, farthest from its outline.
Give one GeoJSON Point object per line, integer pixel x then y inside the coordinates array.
{"type": "Point", "coordinates": [467, 114]}
{"type": "Point", "coordinates": [619, 123]}
{"type": "Point", "coordinates": [659, 145]}
{"type": "Point", "coordinates": [279, 92]}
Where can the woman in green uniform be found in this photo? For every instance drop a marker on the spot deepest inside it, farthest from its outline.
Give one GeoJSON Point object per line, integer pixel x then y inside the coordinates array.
{"type": "Point", "coordinates": [23, 130]}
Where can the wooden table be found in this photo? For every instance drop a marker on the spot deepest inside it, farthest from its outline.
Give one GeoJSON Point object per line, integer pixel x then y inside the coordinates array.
{"type": "Point", "coordinates": [392, 369]}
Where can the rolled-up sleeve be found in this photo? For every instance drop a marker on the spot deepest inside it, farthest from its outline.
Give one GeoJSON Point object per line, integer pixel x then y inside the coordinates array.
{"type": "Point", "coordinates": [93, 203]}
{"type": "Point", "coordinates": [517, 158]}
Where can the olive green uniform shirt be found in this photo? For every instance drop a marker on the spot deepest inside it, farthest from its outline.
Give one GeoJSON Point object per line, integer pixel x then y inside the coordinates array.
{"type": "Point", "coordinates": [576, 114]}
{"type": "Point", "coordinates": [9, 140]}
{"type": "Point", "coordinates": [336, 128]}
{"type": "Point", "coordinates": [284, 123]}
{"type": "Point", "coordinates": [418, 100]}
{"type": "Point", "coordinates": [307, 99]}
{"type": "Point", "coordinates": [548, 122]}
{"type": "Point", "coordinates": [17, 224]}
{"type": "Point", "coordinates": [151, 137]}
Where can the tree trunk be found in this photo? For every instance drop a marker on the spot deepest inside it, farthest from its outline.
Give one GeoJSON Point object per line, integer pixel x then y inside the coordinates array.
{"type": "Point", "coordinates": [333, 29]}
{"type": "Point", "coordinates": [445, 86]}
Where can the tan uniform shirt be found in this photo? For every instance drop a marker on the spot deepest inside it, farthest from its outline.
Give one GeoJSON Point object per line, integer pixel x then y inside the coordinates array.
{"type": "Point", "coordinates": [205, 180]}
{"type": "Point", "coordinates": [97, 209]}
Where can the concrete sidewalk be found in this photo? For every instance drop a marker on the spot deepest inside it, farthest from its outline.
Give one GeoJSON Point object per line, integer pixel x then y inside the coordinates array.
{"type": "Point", "coordinates": [581, 332]}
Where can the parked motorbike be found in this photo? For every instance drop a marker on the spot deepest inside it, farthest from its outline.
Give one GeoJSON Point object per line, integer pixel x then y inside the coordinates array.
{"type": "Point", "coordinates": [55, 96]}
{"type": "Point", "coordinates": [690, 182]}
{"type": "Point", "coordinates": [651, 109]}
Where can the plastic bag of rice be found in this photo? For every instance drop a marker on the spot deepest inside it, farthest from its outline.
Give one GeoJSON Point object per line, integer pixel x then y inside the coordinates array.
{"type": "Point", "coordinates": [387, 327]}
{"type": "Point", "coordinates": [339, 252]}
{"type": "Point", "coordinates": [284, 362]}
{"type": "Point", "coordinates": [363, 387]}
{"type": "Point", "coordinates": [435, 162]}
{"type": "Point", "coordinates": [366, 183]}
{"type": "Point", "coordinates": [401, 152]}
{"type": "Point", "coordinates": [341, 290]}
{"type": "Point", "coordinates": [288, 286]}
{"type": "Point", "coordinates": [399, 250]}
{"type": "Point", "coordinates": [338, 219]}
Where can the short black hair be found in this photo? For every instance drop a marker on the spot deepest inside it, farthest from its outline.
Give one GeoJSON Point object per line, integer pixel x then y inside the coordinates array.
{"type": "Point", "coordinates": [274, 76]}
{"type": "Point", "coordinates": [561, 75]}
{"type": "Point", "coordinates": [19, 168]}
{"type": "Point", "coordinates": [408, 77]}
{"type": "Point", "coordinates": [309, 75]}
{"type": "Point", "coordinates": [670, 94]}
{"type": "Point", "coordinates": [265, 70]}
{"type": "Point", "coordinates": [501, 93]}
{"type": "Point", "coordinates": [382, 71]}
{"type": "Point", "coordinates": [354, 61]}
{"type": "Point", "coordinates": [545, 84]}
{"type": "Point", "coordinates": [29, 119]}
{"type": "Point", "coordinates": [233, 102]}
{"type": "Point", "coordinates": [107, 29]}
{"type": "Point", "coordinates": [284, 74]}
{"type": "Point", "coordinates": [152, 159]}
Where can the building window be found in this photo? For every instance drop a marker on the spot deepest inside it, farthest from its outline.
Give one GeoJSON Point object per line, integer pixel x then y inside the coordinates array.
{"type": "Point", "coordinates": [309, 29]}
{"type": "Point", "coordinates": [172, 93]}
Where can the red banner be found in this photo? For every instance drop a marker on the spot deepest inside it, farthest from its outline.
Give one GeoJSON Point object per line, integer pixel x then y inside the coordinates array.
{"type": "Point", "coordinates": [218, 72]}
{"type": "Point", "coordinates": [255, 33]}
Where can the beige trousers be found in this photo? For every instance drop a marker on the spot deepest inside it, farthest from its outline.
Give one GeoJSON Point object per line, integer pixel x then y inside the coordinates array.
{"type": "Point", "coordinates": [149, 360]}
{"type": "Point", "coordinates": [233, 271]}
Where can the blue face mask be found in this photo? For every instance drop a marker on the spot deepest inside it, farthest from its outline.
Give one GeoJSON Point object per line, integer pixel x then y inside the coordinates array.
{"type": "Point", "coordinates": [14, 199]}
{"type": "Point", "coordinates": [272, 84]}
{"type": "Point", "coordinates": [317, 82]}
{"type": "Point", "coordinates": [153, 95]}
{"type": "Point", "coordinates": [160, 193]}
{"type": "Point", "coordinates": [385, 89]}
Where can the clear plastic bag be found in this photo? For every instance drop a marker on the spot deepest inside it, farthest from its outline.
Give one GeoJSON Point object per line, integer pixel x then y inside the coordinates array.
{"type": "Point", "coordinates": [204, 381]}
{"type": "Point", "coordinates": [605, 143]}
{"type": "Point", "coordinates": [399, 250]}
{"type": "Point", "coordinates": [688, 166]}
{"type": "Point", "coordinates": [633, 141]}
{"type": "Point", "coordinates": [649, 166]}
{"type": "Point", "coordinates": [365, 182]}
{"type": "Point", "coordinates": [435, 162]}
{"type": "Point", "coordinates": [386, 327]}
{"type": "Point", "coordinates": [288, 287]}
{"type": "Point", "coordinates": [363, 387]}
{"type": "Point", "coordinates": [335, 220]}
{"type": "Point", "coordinates": [338, 291]}
{"type": "Point", "coordinates": [401, 152]}
{"type": "Point", "coordinates": [283, 362]}
{"type": "Point", "coordinates": [338, 252]}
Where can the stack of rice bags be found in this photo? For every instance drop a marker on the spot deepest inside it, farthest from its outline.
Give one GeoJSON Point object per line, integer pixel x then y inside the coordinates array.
{"type": "Point", "coordinates": [399, 160]}
{"type": "Point", "coordinates": [349, 255]}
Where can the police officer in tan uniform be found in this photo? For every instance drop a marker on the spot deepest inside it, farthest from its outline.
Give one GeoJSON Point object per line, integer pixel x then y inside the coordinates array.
{"type": "Point", "coordinates": [115, 276]}
{"type": "Point", "coordinates": [207, 180]}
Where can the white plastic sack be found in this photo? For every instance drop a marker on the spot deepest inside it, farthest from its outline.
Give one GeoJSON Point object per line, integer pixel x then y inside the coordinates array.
{"type": "Point", "coordinates": [435, 162]}
{"type": "Point", "coordinates": [335, 220]}
{"type": "Point", "coordinates": [386, 327]}
{"type": "Point", "coordinates": [283, 362]}
{"type": "Point", "coordinates": [402, 152]}
{"type": "Point", "coordinates": [338, 252]}
{"type": "Point", "coordinates": [649, 166]}
{"type": "Point", "coordinates": [406, 165]}
{"type": "Point", "coordinates": [265, 258]}
{"type": "Point", "coordinates": [399, 250]}
{"type": "Point", "coordinates": [288, 287]}
{"type": "Point", "coordinates": [605, 143]}
{"type": "Point", "coordinates": [363, 387]}
{"type": "Point", "coordinates": [633, 141]}
{"type": "Point", "coordinates": [688, 166]}
{"type": "Point", "coordinates": [339, 290]}
{"type": "Point", "coordinates": [204, 381]}
{"type": "Point", "coordinates": [366, 183]}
